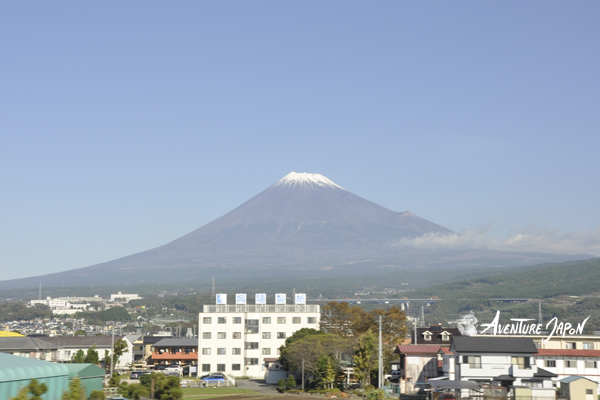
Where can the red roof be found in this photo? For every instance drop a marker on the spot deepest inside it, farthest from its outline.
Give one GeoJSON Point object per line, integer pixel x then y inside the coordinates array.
{"type": "Point", "coordinates": [271, 359]}
{"type": "Point", "coordinates": [446, 350]}
{"type": "Point", "coordinates": [568, 352]}
{"type": "Point", "coordinates": [418, 349]}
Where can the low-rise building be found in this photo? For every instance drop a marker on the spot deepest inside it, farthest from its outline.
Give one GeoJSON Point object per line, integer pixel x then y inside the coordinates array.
{"type": "Point", "coordinates": [175, 351]}
{"type": "Point", "coordinates": [238, 339]}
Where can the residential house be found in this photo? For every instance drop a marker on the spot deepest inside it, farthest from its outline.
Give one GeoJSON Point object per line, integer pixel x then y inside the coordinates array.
{"type": "Point", "coordinates": [29, 347]}
{"type": "Point", "coordinates": [68, 346]}
{"type": "Point", "coordinates": [501, 361]}
{"type": "Point", "coordinates": [435, 334]}
{"type": "Point", "coordinates": [578, 388]}
{"type": "Point", "coordinates": [418, 363]}
{"type": "Point", "coordinates": [175, 351]}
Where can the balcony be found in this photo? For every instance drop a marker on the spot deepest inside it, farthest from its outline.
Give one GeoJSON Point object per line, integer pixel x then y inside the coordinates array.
{"type": "Point", "coordinates": [174, 356]}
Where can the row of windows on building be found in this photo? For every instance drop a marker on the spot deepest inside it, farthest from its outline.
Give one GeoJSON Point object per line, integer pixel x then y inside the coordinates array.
{"type": "Point", "coordinates": [238, 335]}
{"type": "Point", "coordinates": [236, 351]}
{"type": "Point", "coordinates": [234, 367]}
{"type": "Point", "coordinates": [475, 361]}
{"type": "Point", "coordinates": [572, 345]}
{"type": "Point", "coordinates": [254, 322]}
{"type": "Point", "coordinates": [570, 364]}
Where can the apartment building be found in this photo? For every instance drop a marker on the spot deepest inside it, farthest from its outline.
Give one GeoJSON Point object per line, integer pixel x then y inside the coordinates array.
{"type": "Point", "coordinates": [239, 339]}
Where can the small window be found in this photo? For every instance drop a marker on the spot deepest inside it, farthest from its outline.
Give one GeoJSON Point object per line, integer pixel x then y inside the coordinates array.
{"type": "Point", "coordinates": [205, 367]}
{"type": "Point", "coordinates": [251, 329]}
{"type": "Point", "coordinates": [266, 320]}
{"type": "Point", "coordinates": [222, 320]}
{"type": "Point", "coordinates": [236, 351]}
{"type": "Point", "coordinates": [266, 335]}
{"type": "Point", "coordinates": [251, 345]}
{"type": "Point", "coordinates": [570, 364]}
{"type": "Point", "coordinates": [445, 336]}
{"type": "Point", "coordinates": [427, 336]}
{"type": "Point", "coordinates": [236, 367]}
{"type": "Point", "coordinates": [589, 391]}
{"type": "Point", "coordinates": [588, 346]}
{"type": "Point", "coordinates": [550, 363]}
{"type": "Point", "coordinates": [278, 351]}
{"type": "Point", "coordinates": [251, 322]}
{"type": "Point", "coordinates": [473, 361]}
{"type": "Point", "coordinates": [206, 351]}
{"type": "Point", "coordinates": [220, 367]}
{"type": "Point", "coordinates": [251, 361]}
{"type": "Point", "coordinates": [237, 320]}
{"type": "Point", "coordinates": [221, 351]}
{"type": "Point", "coordinates": [221, 335]}
{"type": "Point", "coordinates": [312, 320]}
{"type": "Point", "coordinates": [206, 335]}
{"type": "Point", "coordinates": [237, 335]}
{"type": "Point", "coordinates": [280, 335]}
{"type": "Point", "coordinates": [590, 364]}
{"type": "Point", "coordinates": [295, 320]}
{"type": "Point", "coordinates": [207, 320]}
{"type": "Point", "coordinates": [571, 345]}
{"type": "Point", "coordinates": [538, 345]}
{"type": "Point", "coordinates": [266, 351]}
{"type": "Point", "coordinates": [281, 320]}
{"type": "Point", "coordinates": [519, 361]}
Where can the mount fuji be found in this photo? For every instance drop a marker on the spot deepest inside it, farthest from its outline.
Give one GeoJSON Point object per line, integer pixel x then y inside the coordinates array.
{"type": "Point", "coordinates": [304, 223]}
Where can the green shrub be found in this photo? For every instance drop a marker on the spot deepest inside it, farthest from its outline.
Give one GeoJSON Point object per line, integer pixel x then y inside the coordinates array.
{"type": "Point", "coordinates": [375, 394]}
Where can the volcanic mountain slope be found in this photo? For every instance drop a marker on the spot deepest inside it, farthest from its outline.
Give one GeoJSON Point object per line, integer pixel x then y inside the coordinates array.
{"type": "Point", "coordinates": [304, 221]}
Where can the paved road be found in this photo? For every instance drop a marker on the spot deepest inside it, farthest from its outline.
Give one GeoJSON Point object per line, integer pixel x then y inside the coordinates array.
{"type": "Point", "coordinates": [258, 385]}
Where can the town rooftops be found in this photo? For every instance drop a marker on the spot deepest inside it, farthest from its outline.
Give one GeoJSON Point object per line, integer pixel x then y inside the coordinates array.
{"type": "Point", "coordinates": [542, 373]}
{"type": "Point", "coordinates": [492, 344]}
{"type": "Point", "coordinates": [569, 352]}
{"type": "Point", "coordinates": [25, 343]}
{"type": "Point", "coordinates": [573, 378]}
{"type": "Point", "coordinates": [418, 349]}
{"type": "Point", "coordinates": [177, 342]}
{"type": "Point", "coordinates": [81, 341]}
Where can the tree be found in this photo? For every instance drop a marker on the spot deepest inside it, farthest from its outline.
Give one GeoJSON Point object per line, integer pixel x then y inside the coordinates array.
{"type": "Point", "coordinates": [80, 332]}
{"type": "Point", "coordinates": [290, 382]}
{"type": "Point", "coordinates": [306, 351]}
{"type": "Point", "coordinates": [97, 395]}
{"type": "Point", "coordinates": [76, 391]}
{"type": "Point", "coordinates": [92, 356]}
{"type": "Point", "coordinates": [79, 357]}
{"type": "Point", "coordinates": [326, 371]}
{"type": "Point", "coordinates": [34, 388]}
{"type": "Point", "coordinates": [135, 391]}
{"type": "Point", "coordinates": [120, 347]}
{"type": "Point", "coordinates": [165, 387]}
{"type": "Point", "coordinates": [364, 358]}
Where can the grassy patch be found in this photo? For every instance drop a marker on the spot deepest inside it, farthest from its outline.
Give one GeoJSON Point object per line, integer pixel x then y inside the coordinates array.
{"type": "Point", "coordinates": [209, 390]}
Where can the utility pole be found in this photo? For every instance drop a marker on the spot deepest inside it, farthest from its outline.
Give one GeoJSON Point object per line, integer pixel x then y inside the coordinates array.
{"type": "Point", "coordinates": [422, 315]}
{"type": "Point", "coordinates": [380, 375]}
{"type": "Point", "coordinates": [303, 375]}
{"type": "Point", "coordinates": [540, 311]}
{"type": "Point", "coordinates": [112, 350]}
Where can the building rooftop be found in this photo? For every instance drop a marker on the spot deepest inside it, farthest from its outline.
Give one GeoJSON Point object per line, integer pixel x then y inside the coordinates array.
{"type": "Point", "coordinates": [569, 352]}
{"type": "Point", "coordinates": [493, 344]}
{"type": "Point", "coordinates": [418, 349]}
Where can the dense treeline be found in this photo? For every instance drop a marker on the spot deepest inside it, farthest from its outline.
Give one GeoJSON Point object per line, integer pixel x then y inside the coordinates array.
{"type": "Point", "coordinates": [20, 311]}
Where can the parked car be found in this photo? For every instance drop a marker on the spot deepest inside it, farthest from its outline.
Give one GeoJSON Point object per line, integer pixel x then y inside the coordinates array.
{"type": "Point", "coordinates": [136, 374]}
{"type": "Point", "coordinates": [213, 378]}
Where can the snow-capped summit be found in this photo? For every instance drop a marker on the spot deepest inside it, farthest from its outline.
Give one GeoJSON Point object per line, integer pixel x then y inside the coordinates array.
{"type": "Point", "coordinates": [304, 178]}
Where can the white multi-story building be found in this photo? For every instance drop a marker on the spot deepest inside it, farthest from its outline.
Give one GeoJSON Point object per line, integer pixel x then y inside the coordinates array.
{"type": "Point", "coordinates": [237, 339]}
{"type": "Point", "coordinates": [123, 296]}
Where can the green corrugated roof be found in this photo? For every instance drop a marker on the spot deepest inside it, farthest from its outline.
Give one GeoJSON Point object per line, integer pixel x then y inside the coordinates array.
{"type": "Point", "coordinates": [84, 370]}
{"type": "Point", "coordinates": [14, 368]}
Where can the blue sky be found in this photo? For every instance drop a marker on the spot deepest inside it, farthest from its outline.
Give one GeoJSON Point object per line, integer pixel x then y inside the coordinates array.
{"type": "Point", "coordinates": [125, 125]}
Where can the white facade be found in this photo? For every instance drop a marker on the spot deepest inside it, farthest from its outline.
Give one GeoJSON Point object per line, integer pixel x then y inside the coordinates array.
{"type": "Point", "coordinates": [584, 363]}
{"type": "Point", "coordinates": [236, 339]}
{"type": "Point", "coordinates": [127, 297]}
